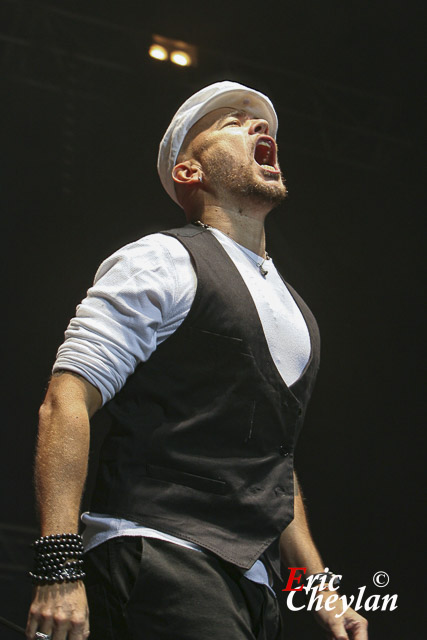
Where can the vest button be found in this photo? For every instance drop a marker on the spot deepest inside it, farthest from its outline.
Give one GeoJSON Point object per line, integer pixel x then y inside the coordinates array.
{"type": "Point", "coordinates": [284, 452]}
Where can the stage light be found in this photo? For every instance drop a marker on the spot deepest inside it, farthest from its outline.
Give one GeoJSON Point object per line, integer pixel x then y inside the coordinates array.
{"type": "Point", "coordinates": [178, 52]}
{"type": "Point", "coordinates": [158, 52]}
{"type": "Point", "coordinates": [181, 58]}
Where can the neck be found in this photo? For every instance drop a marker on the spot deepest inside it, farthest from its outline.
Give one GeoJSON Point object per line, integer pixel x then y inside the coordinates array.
{"type": "Point", "coordinates": [245, 230]}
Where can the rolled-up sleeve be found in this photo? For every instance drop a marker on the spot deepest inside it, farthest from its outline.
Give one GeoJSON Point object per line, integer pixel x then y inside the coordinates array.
{"type": "Point", "coordinates": [140, 295]}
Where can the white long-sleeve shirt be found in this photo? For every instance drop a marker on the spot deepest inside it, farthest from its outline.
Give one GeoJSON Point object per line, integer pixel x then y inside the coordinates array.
{"type": "Point", "coordinates": [141, 295]}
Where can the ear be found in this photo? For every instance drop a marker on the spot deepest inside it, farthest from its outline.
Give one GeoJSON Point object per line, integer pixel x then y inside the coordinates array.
{"type": "Point", "coordinates": [187, 173]}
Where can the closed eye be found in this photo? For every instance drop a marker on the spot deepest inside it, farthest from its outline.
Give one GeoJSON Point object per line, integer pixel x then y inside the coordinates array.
{"type": "Point", "coordinates": [234, 122]}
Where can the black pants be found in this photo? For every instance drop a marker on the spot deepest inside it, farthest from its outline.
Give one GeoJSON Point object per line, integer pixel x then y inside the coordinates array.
{"type": "Point", "coordinates": [148, 589]}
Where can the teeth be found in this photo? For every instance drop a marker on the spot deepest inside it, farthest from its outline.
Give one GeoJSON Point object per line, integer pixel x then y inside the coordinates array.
{"type": "Point", "coordinates": [267, 155]}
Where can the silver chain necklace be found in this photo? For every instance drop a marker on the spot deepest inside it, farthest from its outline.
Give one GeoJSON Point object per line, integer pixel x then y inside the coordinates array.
{"type": "Point", "coordinates": [260, 265]}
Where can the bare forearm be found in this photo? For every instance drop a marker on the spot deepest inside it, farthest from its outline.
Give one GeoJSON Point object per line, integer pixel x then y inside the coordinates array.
{"type": "Point", "coordinates": [61, 466]}
{"type": "Point", "coordinates": [297, 548]}
{"type": "Point", "coordinates": [62, 455]}
{"type": "Point", "coordinates": [60, 610]}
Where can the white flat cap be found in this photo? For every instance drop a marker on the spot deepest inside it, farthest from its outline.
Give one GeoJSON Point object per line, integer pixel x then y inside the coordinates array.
{"type": "Point", "coordinates": [215, 96]}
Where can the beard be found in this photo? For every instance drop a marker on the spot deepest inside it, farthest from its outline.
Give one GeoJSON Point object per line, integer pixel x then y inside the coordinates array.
{"type": "Point", "coordinates": [243, 183]}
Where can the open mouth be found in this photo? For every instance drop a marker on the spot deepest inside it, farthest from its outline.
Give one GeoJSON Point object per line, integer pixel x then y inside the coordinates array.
{"type": "Point", "coordinates": [265, 154]}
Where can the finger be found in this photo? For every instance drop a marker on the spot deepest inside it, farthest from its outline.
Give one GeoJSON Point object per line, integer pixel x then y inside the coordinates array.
{"type": "Point", "coordinates": [338, 632]}
{"type": "Point", "coordinates": [79, 635]}
{"type": "Point", "coordinates": [45, 624]}
{"type": "Point", "coordinates": [61, 626]}
{"type": "Point", "coordinates": [79, 629]}
{"type": "Point", "coordinates": [66, 629]}
{"type": "Point", "coordinates": [31, 628]}
{"type": "Point", "coordinates": [42, 634]}
{"type": "Point", "coordinates": [359, 630]}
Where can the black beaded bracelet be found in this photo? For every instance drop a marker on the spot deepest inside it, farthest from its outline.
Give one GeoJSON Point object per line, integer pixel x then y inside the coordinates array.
{"type": "Point", "coordinates": [58, 558]}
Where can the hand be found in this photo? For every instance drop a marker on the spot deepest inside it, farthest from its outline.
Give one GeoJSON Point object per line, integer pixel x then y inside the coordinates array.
{"type": "Point", "coordinates": [348, 626]}
{"type": "Point", "coordinates": [59, 610]}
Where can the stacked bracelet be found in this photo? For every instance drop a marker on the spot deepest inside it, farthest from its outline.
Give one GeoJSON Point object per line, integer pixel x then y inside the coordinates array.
{"type": "Point", "coordinates": [58, 558]}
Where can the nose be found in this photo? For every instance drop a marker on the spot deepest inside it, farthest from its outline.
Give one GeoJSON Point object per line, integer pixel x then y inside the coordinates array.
{"type": "Point", "coordinates": [258, 125]}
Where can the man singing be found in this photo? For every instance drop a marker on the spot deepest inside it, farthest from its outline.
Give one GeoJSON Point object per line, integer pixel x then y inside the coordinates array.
{"type": "Point", "coordinates": [206, 360]}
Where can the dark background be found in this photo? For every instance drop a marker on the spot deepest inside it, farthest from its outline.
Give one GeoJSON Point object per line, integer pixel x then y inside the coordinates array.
{"type": "Point", "coordinates": [83, 108]}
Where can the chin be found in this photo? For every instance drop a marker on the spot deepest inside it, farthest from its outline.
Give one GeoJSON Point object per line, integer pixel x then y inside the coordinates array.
{"type": "Point", "coordinates": [272, 191]}
{"type": "Point", "coordinates": [244, 183]}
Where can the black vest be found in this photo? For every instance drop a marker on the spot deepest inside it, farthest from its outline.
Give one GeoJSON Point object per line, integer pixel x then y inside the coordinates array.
{"type": "Point", "coordinates": [204, 432]}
